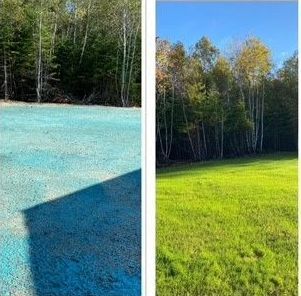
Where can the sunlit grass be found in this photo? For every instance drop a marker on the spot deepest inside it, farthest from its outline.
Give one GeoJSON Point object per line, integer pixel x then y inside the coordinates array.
{"type": "Point", "coordinates": [228, 228]}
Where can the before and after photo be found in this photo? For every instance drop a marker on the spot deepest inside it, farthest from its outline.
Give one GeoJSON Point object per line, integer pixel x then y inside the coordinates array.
{"type": "Point", "coordinates": [148, 148]}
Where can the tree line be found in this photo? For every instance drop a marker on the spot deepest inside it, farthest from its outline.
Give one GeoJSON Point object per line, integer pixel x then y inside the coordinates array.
{"type": "Point", "coordinates": [211, 106]}
{"type": "Point", "coordinates": [71, 51]}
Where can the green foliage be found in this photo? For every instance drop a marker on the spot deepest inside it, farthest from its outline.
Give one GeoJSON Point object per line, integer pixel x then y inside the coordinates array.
{"type": "Point", "coordinates": [212, 106]}
{"type": "Point", "coordinates": [206, 52]}
{"type": "Point", "coordinates": [75, 47]}
{"type": "Point", "coordinates": [237, 121]}
{"type": "Point", "coordinates": [253, 61]}
{"type": "Point", "coordinates": [228, 227]}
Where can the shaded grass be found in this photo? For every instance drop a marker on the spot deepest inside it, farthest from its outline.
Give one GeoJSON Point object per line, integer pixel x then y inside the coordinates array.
{"type": "Point", "coordinates": [228, 227]}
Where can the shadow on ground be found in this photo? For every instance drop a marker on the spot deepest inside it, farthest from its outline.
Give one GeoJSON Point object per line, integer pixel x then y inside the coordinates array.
{"type": "Point", "coordinates": [242, 162]}
{"type": "Point", "coordinates": [88, 242]}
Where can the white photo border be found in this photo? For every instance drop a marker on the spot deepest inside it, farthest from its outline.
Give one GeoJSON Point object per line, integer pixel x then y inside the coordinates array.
{"type": "Point", "coordinates": [148, 148]}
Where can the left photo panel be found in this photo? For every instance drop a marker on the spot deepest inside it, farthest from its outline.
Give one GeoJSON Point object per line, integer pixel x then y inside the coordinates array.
{"type": "Point", "coordinates": [70, 147]}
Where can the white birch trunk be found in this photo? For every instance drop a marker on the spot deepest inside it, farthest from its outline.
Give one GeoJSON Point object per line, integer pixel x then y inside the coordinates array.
{"type": "Point", "coordinates": [39, 70]}
{"type": "Point", "coordinates": [123, 73]}
{"type": "Point", "coordinates": [222, 137]}
{"type": "Point", "coordinates": [262, 110]}
{"type": "Point", "coordinates": [132, 62]}
{"type": "Point", "coordinates": [171, 121]}
{"type": "Point", "coordinates": [86, 33]}
{"type": "Point", "coordinates": [6, 96]}
{"type": "Point", "coordinates": [53, 36]}
{"type": "Point", "coordinates": [188, 133]}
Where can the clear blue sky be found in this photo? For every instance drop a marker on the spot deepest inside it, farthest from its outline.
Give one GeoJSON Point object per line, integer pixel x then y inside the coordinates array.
{"type": "Point", "coordinates": [275, 23]}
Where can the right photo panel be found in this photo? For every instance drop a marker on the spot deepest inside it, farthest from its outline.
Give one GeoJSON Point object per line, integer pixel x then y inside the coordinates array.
{"type": "Point", "coordinates": [227, 148]}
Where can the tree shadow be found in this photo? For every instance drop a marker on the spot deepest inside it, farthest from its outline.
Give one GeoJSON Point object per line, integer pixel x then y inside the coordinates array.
{"type": "Point", "coordinates": [182, 169]}
{"type": "Point", "coordinates": [88, 242]}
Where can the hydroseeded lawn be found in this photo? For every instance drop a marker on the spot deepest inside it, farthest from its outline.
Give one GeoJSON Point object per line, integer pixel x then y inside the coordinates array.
{"type": "Point", "coordinates": [69, 200]}
{"type": "Point", "coordinates": [228, 227]}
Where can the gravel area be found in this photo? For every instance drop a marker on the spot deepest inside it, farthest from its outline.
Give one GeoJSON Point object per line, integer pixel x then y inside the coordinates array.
{"type": "Point", "coordinates": [70, 206]}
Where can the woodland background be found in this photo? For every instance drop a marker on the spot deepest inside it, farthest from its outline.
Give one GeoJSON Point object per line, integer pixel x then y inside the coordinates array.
{"type": "Point", "coordinates": [212, 105]}
{"type": "Point", "coordinates": [71, 51]}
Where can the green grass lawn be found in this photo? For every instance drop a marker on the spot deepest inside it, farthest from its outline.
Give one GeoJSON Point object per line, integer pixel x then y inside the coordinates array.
{"type": "Point", "coordinates": [228, 227]}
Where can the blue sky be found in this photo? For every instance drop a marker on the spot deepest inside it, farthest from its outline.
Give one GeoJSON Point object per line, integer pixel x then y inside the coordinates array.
{"type": "Point", "coordinates": [275, 23]}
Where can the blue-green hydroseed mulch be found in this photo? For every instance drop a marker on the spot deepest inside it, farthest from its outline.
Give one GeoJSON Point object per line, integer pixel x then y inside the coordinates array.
{"type": "Point", "coordinates": [69, 200]}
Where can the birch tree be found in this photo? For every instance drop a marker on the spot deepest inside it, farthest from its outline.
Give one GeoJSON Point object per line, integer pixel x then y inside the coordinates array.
{"type": "Point", "coordinates": [9, 26]}
{"type": "Point", "coordinates": [195, 91]}
{"type": "Point", "coordinates": [223, 78]}
{"type": "Point", "coordinates": [71, 51]}
{"type": "Point", "coordinates": [213, 106]}
{"type": "Point", "coordinates": [130, 27]}
{"type": "Point", "coordinates": [165, 98]}
{"type": "Point", "coordinates": [253, 64]}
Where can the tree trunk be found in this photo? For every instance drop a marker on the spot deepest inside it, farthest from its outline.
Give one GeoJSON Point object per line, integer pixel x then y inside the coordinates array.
{"type": "Point", "coordinates": [199, 139]}
{"type": "Point", "coordinates": [116, 71]}
{"type": "Point", "coordinates": [188, 133]}
{"type": "Point", "coordinates": [39, 70]}
{"type": "Point", "coordinates": [75, 23]}
{"type": "Point", "coordinates": [171, 121]}
{"type": "Point", "coordinates": [123, 73]}
{"type": "Point", "coordinates": [128, 59]}
{"type": "Point", "coordinates": [257, 112]}
{"type": "Point", "coordinates": [217, 148]}
{"type": "Point", "coordinates": [204, 139]}
{"type": "Point", "coordinates": [262, 109]}
{"type": "Point", "coordinates": [86, 33]}
{"type": "Point", "coordinates": [165, 124]}
{"type": "Point", "coordinates": [160, 140]}
{"type": "Point", "coordinates": [222, 137]}
{"type": "Point", "coordinates": [6, 96]}
{"type": "Point", "coordinates": [53, 36]}
{"type": "Point", "coordinates": [132, 62]}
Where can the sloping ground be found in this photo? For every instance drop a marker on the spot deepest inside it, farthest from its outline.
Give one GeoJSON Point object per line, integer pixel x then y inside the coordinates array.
{"type": "Point", "coordinates": [228, 228]}
{"type": "Point", "coordinates": [69, 200]}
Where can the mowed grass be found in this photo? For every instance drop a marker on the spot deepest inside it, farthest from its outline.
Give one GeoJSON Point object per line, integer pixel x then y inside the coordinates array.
{"type": "Point", "coordinates": [228, 227]}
